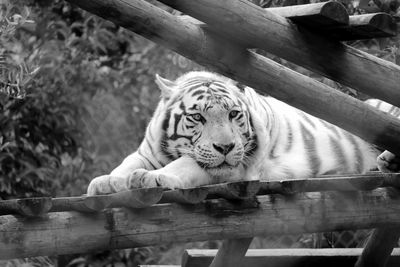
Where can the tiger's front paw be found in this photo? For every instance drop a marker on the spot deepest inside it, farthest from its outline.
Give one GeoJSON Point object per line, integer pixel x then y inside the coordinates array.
{"type": "Point", "coordinates": [100, 185]}
{"type": "Point", "coordinates": [388, 162]}
{"type": "Point", "coordinates": [142, 178]}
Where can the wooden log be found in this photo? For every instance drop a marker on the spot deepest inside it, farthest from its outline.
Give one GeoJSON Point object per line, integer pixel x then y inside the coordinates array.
{"type": "Point", "coordinates": [185, 196]}
{"type": "Point", "coordinates": [253, 26]}
{"type": "Point", "coordinates": [330, 19]}
{"type": "Point", "coordinates": [266, 75]}
{"type": "Point", "coordinates": [338, 183]}
{"type": "Point", "coordinates": [231, 253]}
{"type": "Point", "coordinates": [379, 247]}
{"type": "Point", "coordinates": [30, 207]}
{"type": "Point", "coordinates": [235, 190]}
{"type": "Point", "coordinates": [136, 198]}
{"type": "Point", "coordinates": [60, 233]}
{"type": "Point", "coordinates": [287, 257]}
{"type": "Point", "coordinates": [318, 15]}
{"type": "Point", "coordinates": [365, 26]}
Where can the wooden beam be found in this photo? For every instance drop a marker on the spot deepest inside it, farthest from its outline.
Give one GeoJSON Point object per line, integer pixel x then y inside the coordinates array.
{"type": "Point", "coordinates": [330, 19]}
{"type": "Point", "coordinates": [60, 233]}
{"type": "Point", "coordinates": [287, 257]}
{"type": "Point", "coordinates": [318, 15]}
{"type": "Point", "coordinates": [365, 26]}
{"type": "Point", "coordinates": [252, 26]}
{"type": "Point", "coordinates": [198, 44]}
{"type": "Point", "coordinates": [144, 197]}
{"type": "Point", "coordinates": [358, 182]}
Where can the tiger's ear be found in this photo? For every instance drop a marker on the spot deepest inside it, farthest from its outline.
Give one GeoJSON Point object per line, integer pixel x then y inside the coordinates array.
{"type": "Point", "coordinates": [166, 86]}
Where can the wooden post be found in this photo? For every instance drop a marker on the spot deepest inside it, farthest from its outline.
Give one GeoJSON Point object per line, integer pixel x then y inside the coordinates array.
{"type": "Point", "coordinates": [253, 26]}
{"type": "Point", "coordinates": [197, 43]}
{"type": "Point", "coordinates": [379, 247]}
{"type": "Point", "coordinates": [231, 253]}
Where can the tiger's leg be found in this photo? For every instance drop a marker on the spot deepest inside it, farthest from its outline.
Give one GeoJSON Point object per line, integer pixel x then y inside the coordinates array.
{"type": "Point", "coordinates": [183, 172]}
{"type": "Point", "coordinates": [117, 180]}
{"type": "Point", "coordinates": [388, 162]}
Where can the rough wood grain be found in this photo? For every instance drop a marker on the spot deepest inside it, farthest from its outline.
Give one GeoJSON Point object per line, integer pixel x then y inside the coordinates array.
{"type": "Point", "coordinates": [253, 26]}
{"type": "Point", "coordinates": [318, 15]}
{"type": "Point", "coordinates": [73, 232]}
{"type": "Point", "coordinates": [197, 43]}
{"type": "Point", "coordinates": [287, 257]}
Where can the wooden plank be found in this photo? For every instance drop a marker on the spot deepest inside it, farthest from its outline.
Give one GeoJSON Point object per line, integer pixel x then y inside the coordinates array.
{"type": "Point", "coordinates": [196, 43]}
{"type": "Point", "coordinates": [317, 15]}
{"type": "Point", "coordinates": [288, 257]}
{"type": "Point", "coordinates": [231, 253]}
{"type": "Point", "coordinates": [252, 26]}
{"type": "Point", "coordinates": [60, 233]}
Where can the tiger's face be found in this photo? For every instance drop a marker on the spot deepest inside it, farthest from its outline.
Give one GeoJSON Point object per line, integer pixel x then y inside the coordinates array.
{"type": "Point", "coordinates": [207, 118]}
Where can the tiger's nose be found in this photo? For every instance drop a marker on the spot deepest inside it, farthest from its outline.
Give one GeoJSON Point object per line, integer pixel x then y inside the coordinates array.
{"type": "Point", "coordinates": [224, 149]}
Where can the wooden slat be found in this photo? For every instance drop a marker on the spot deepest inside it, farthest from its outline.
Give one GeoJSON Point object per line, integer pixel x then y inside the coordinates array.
{"type": "Point", "coordinates": [318, 15]}
{"type": "Point", "coordinates": [73, 232]}
{"type": "Point", "coordinates": [288, 257]}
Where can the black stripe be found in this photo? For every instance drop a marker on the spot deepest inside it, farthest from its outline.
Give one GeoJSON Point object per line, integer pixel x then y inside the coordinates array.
{"type": "Point", "coordinates": [339, 154]}
{"type": "Point", "coordinates": [333, 128]}
{"type": "Point", "coordinates": [289, 140]}
{"type": "Point", "coordinates": [307, 118]}
{"type": "Point", "coordinates": [311, 150]}
{"type": "Point", "coordinates": [357, 152]}
{"type": "Point", "coordinates": [151, 164]}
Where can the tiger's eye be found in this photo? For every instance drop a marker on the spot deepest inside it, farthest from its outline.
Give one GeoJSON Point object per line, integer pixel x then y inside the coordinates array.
{"type": "Point", "coordinates": [197, 117]}
{"type": "Point", "coordinates": [233, 114]}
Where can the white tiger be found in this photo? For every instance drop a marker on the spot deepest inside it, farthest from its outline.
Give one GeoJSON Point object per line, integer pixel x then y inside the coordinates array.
{"type": "Point", "coordinates": [208, 129]}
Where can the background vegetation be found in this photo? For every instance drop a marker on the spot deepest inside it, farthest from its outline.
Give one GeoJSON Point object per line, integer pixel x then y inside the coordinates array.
{"type": "Point", "coordinates": [76, 93]}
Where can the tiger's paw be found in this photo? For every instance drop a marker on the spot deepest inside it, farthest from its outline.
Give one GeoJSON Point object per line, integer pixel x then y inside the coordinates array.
{"type": "Point", "coordinates": [142, 178]}
{"type": "Point", "coordinates": [388, 162]}
{"type": "Point", "coordinates": [100, 186]}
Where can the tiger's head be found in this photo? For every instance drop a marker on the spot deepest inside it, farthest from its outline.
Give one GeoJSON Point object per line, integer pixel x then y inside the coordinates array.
{"type": "Point", "coordinates": [208, 118]}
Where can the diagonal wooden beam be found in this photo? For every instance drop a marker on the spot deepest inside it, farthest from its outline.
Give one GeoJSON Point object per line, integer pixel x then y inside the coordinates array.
{"type": "Point", "coordinates": [253, 26]}
{"type": "Point", "coordinates": [199, 44]}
